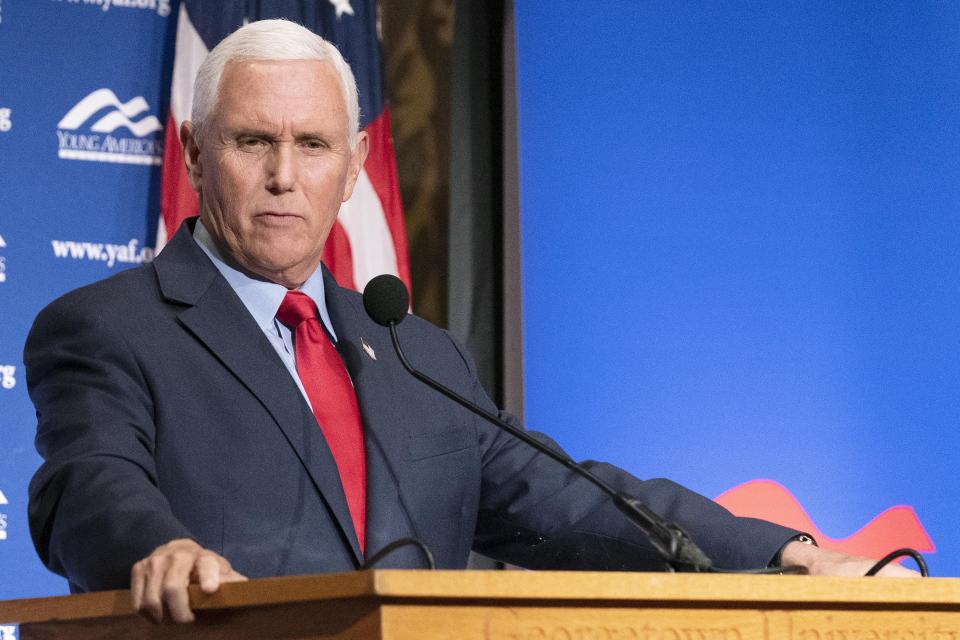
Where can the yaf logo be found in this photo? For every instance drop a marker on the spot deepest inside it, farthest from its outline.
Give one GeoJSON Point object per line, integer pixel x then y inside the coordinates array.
{"type": "Point", "coordinates": [7, 379]}
{"type": "Point", "coordinates": [6, 119]}
{"type": "Point", "coordinates": [3, 262]}
{"type": "Point", "coordinates": [97, 142]}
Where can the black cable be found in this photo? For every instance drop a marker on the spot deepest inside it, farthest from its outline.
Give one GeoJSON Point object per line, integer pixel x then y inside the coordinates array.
{"type": "Point", "coordinates": [398, 544]}
{"type": "Point", "coordinates": [899, 553]}
{"type": "Point", "coordinates": [386, 301]}
{"type": "Point", "coordinates": [677, 549]}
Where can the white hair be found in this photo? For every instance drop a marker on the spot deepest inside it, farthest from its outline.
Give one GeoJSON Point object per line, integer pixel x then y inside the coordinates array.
{"type": "Point", "coordinates": [270, 40]}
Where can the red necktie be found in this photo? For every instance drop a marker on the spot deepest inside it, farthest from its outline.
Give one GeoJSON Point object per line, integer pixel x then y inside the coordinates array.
{"type": "Point", "coordinates": [333, 398]}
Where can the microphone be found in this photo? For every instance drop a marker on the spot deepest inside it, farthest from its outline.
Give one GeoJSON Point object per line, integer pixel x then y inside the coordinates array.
{"type": "Point", "coordinates": [386, 300]}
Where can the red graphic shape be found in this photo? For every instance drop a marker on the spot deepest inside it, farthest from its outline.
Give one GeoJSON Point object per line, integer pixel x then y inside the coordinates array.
{"type": "Point", "coordinates": [894, 528]}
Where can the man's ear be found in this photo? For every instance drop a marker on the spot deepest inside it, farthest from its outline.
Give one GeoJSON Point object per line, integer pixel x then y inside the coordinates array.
{"type": "Point", "coordinates": [191, 154]}
{"type": "Point", "coordinates": [357, 157]}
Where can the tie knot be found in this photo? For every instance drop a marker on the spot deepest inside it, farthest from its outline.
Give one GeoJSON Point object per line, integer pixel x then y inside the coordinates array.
{"type": "Point", "coordinates": [295, 308]}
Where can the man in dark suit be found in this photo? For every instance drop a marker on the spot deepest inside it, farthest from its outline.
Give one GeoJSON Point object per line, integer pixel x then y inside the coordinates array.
{"type": "Point", "coordinates": [194, 430]}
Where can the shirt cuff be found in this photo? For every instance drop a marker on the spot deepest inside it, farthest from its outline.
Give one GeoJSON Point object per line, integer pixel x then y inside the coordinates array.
{"type": "Point", "coordinates": [805, 538]}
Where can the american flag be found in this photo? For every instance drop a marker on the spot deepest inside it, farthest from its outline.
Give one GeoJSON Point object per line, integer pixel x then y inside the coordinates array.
{"type": "Point", "coordinates": [369, 237]}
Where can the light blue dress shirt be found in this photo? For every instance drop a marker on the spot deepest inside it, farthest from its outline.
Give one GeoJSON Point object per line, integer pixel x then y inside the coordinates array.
{"type": "Point", "coordinates": [262, 299]}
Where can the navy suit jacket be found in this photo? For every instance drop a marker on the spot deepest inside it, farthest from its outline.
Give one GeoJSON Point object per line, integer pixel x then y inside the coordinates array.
{"type": "Point", "coordinates": [164, 412]}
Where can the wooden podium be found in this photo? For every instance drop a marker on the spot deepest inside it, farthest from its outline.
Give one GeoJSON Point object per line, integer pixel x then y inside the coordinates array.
{"type": "Point", "coordinates": [515, 605]}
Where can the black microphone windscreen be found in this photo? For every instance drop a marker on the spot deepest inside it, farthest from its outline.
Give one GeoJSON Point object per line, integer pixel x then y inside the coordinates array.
{"type": "Point", "coordinates": [386, 299]}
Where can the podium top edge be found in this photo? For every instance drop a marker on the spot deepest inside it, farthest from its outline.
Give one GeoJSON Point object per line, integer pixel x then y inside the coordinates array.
{"type": "Point", "coordinates": [560, 587]}
{"type": "Point", "coordinates": [628, 587]}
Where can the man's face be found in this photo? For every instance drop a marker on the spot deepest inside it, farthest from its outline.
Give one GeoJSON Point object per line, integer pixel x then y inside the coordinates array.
{"type": "Point", "coordinates": [274, 164]}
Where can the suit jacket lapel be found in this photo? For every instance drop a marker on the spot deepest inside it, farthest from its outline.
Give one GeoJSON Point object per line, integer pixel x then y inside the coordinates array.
{"type": "Point", "coordinates": [217, 317]}
{"type": "Point", "coordinates": [360, 344]}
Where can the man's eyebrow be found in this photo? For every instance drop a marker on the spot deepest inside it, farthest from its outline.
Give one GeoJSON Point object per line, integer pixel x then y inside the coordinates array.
{"type": "Point", "coordinates": [251, 131]}
{"type": "Point", "coordinates": [311, 135]}
{"type": "Point", "coordinates": [263, 132]}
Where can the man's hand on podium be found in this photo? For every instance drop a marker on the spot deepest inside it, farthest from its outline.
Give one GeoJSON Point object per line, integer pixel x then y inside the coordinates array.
{"type": "Point", "coordinates": [158, 583]}
{"type": "Point", "coordinates": [823, 562]}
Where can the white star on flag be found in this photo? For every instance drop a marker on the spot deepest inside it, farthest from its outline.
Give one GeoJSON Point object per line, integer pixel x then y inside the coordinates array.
{"type": "Point", "coordinates": [342, 7]}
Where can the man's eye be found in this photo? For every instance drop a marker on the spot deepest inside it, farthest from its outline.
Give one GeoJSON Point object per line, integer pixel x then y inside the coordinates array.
{"type": "Point", "coordinates": [251, 142]}
{"type": "Point", "coordinates": [314, 145]}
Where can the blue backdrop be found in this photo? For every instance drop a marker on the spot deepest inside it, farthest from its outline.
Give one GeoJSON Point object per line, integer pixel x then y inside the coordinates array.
{"type": "Point", "coordinates": [66, 222]}
{"type": "Point", "coordinates": [740, 247]}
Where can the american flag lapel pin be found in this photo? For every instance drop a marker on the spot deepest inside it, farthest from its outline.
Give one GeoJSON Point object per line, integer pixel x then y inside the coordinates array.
{"type": "Point", "coordinates": [368, 349]}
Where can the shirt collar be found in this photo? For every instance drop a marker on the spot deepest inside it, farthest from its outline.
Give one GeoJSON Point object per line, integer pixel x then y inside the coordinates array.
{"type": "Point", "coordinates": [260, 297]}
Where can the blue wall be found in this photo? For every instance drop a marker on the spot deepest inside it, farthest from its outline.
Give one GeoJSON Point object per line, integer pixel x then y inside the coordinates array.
{"type": "Point", "coordinates": [53, 54]}
{"type": "Point", "coordinates": [741, 247]}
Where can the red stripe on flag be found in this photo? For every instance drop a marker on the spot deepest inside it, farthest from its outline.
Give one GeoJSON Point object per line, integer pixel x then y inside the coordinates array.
{"type": "Point", "coordinates": [338, 256]}
{"type": "Point", "coordinates": [178, 200]}
{"type": "Point", "coordinates": [381, 168]}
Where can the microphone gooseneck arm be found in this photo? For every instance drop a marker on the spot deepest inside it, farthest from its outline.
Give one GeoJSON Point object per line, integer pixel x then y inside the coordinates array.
{"type": "Point", "coordinates": [674, 545]}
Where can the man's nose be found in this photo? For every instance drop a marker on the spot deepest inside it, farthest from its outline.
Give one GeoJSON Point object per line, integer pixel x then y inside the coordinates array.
{"type": "Point", "coordinates": [281, 168]}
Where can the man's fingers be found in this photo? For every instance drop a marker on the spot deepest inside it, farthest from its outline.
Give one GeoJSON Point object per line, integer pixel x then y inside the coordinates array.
{"type": "Point", "coordinates": [213, 570]}
{"type": "Point", "coordinates": [154, 569]}
{"type": "Point", "coordinates": [173, 594]}
{"type": "Point", "coordinates": [233, 576]}
{"type": "Point", "coordinates": [207, 571]}
{"type": "Point", "coordinates": [823, 562]}
{"type": "Point", "coordinates": [897, 571]}
{"type": "Point", "coordinates": [137, 578]}
{"type": "Point", "coordinates": [159, 583]}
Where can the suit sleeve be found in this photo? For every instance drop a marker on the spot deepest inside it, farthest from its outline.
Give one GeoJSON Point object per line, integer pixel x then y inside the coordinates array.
{"type": "Point", "coordinates": [537, 514]}
{"type": "Point", "coordinates": [95, 507]}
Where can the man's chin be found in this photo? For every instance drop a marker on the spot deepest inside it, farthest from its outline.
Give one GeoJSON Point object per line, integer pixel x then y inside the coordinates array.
{"type": "Point", "coordinates": [283, 272]}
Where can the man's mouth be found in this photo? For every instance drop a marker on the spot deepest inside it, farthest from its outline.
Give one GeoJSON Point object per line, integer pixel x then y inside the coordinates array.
{"type": "Point", "coordinates": [277, 217]}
